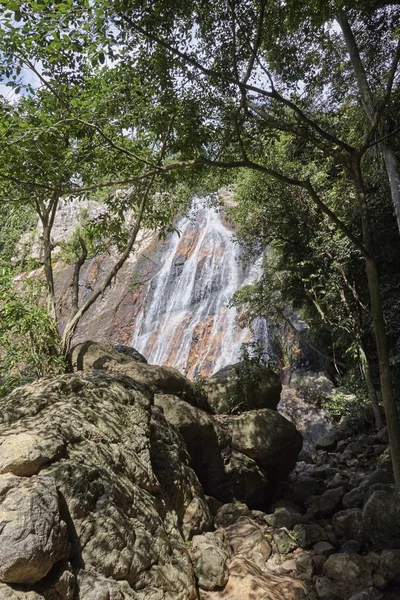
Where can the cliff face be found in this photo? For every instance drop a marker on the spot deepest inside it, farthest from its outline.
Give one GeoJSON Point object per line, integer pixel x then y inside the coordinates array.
{"type": "Point", "coordinates": [171, 298]}
{"type": "Point", "coordinates": [185, 320]}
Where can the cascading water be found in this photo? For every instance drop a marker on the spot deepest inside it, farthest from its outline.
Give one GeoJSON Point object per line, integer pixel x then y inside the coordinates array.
{"type": "Point", "coordinates": [185, 320]}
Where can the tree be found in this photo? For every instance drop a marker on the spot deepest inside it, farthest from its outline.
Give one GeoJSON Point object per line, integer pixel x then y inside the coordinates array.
{"type": "Point", "coordinates": [47, 152]}
{"type": "Point", "coordinates": [312, 268]}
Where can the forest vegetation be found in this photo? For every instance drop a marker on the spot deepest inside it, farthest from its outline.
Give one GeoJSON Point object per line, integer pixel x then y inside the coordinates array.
{"type": "Point", "coordinates": [296, 103]}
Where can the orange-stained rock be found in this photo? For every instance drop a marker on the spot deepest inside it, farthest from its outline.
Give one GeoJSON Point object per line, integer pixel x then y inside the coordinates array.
{"type": "Point", "coordinates": [249, 582]}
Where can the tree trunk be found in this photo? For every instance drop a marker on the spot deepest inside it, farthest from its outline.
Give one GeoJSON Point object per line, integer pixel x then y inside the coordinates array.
{"type": "Point", "coordinates": [393, 171]}
{"type": "Point", "coordinates": [391, 413]}
{"type": "Point", "coordinates": [48, 270]}
{"type": "Point", "coordinates": [371, 388]}
{"type": "Point", "coordinates": [368, 102]}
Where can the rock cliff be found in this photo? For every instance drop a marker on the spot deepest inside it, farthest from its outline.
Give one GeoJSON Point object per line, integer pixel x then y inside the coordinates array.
{"type": "Point", "coordinates": [171, 298]}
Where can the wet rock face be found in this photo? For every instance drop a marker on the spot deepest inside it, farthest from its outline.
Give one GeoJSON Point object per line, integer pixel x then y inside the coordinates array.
{"type": "Point", "coordinates": [184, 320]}
{"type": "Point", "coordinates": [95, 516]}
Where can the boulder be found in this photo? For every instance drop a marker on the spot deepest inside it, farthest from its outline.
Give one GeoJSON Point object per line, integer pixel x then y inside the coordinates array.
{"type": "Point", "coordinates": [284, 517]}
{"type": "Point", "coordinates": [131, 352]}
{"type": "Point", "coordinates": [305, 487]}
{"type": "Point", "coordinates": [91, 355]}
{"type": "Point", "coordinates": [122, 492]}
{"type": "Point", "coordinates": [301, 402]}
{"type": "Point", "coordinates": [381, 519]}
{"type": "Point", "coordinates": [347, 524]}
{"type": "Point", "coordinates": [331, 501]}
{"type": "Point", "coordinates": [323, 549]}
{"type": "Point", "coordinates": [33, 536]}
{"type": "Point", "coordinates": [350, 572]}
{"type": "Point", "coordinates": [354, 498]}
{"type": "Point", "coordinates": [305, 566]}
{"type": "Point", "coordinates": [235, 457]}
{"type": "Point", "coordinates": [170, 462]}
{"type": "Point", "coordinates": [268, 438]}
{"type": "Point", "coordinates": [308, 534]}
{"type": "Point", "coordinates": [284, 541]}
{"type": "Point", "coordinates": [230, 513]}
{"type": "Point", "coordinates": [317, 381]}
{"type": "Point", "coordinates": [210, 554]}
{"type": "Point", "coordinates": [390, 565]}
{"type": "Point", "coordinates": [378, 476]}
{"type": "Point", "coordinates": [230, 391]}
{"type": "Point", "coordinates": [326, 589]}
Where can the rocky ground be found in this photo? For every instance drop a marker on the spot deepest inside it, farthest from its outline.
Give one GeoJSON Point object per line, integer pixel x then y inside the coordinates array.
{"type": "Point", "coordinates": [123, 480]}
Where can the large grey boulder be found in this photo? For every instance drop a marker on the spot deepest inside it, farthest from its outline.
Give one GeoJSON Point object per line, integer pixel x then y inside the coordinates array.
{"type": "Point", "coordinates": [347, 524]}
{"type": "Point", "coordinates": [170, 462]}
{"type": "Point", "coordinates": [223, 472]}
{"type": "Point", "coordinates": [301, 404]}
{"type": "Point", "coordinates": [381, 519]}
{"type": "Point", "coordinates": [266, 437]}
{"type": "Point", "coordinates": [350, 572]}
{"type": "Point", "coordinates": [92, 355]}
{"type": "Point", "coordinates": [125, 509]}
{"type": "Point", "coordinates": [229, 391]}
{"type": "Point", "coordinates": [210, 554]}
{"type": "Point", "coordinates": [235, 457]}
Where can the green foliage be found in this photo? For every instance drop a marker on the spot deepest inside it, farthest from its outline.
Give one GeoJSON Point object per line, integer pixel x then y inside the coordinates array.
{"type": "Point", "coordinates": [14, 221]}
{"type": "Point", "coordinates": [29, 340]}
{"type": "Point", "coordinates": [352, 411]}
{"type": "Point", "coordinates": [200, 387]}
{"type": "Point", "coordinates": [351, 407]}
{"type": "Point", "coordinates": [252, 361]}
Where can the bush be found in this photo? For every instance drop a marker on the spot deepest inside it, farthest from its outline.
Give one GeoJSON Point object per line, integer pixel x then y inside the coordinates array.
{"type": "Point", "coordinates": [253, 359]}
{"type": "Point", "coordinates": [29, 339]}
{"type": "Point", "coordinates": [353, 412]}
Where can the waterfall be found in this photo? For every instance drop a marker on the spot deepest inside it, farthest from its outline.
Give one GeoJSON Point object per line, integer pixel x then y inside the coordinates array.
{"type": "Point", "coordinates": [185, 320]}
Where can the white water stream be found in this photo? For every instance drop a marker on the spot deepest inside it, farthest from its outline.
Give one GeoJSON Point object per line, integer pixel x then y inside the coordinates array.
{"type": "Point", "coordinates": [185, 320]}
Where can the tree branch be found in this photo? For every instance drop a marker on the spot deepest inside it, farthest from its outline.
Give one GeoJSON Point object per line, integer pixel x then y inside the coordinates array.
{"type": "Point", "coordinates": [245, 86]}
{"type": "Point", "coordinates": [75, 280]}
{"type": "Point", "coordinates": [93, 126]}
{"type": "Point", "coordinates": [298, 131]}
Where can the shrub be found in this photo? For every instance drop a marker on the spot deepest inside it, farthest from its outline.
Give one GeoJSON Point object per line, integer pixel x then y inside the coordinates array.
{"type": "Point", "coordinates": [29, 339]}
